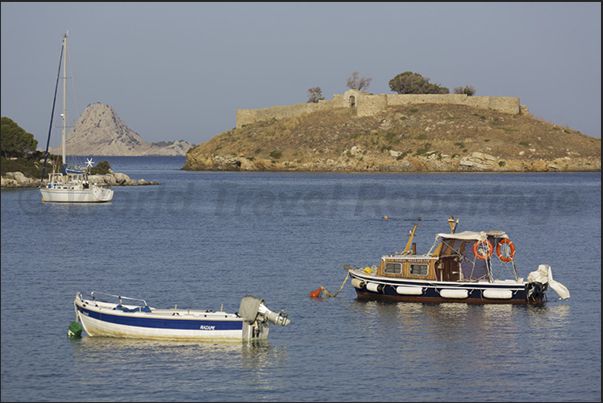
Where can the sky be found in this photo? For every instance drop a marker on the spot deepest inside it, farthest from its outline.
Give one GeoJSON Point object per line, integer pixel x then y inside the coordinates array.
{"type": "Point", "coordinates": [179, 71]}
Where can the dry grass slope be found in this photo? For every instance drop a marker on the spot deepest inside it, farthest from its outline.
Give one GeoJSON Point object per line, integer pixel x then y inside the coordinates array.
{"type": "Point", "coordinates": [432, 137]}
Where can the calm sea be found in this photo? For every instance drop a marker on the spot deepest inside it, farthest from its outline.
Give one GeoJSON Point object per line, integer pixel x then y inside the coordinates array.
{"type": "Point", "coordinates": [203, 239]}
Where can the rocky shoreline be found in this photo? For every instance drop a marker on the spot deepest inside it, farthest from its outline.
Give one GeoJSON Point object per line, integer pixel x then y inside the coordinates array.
{"type": "Point", "coordinates": [358, 161]}
{"type": "Point", "coordinates": [19, 180]}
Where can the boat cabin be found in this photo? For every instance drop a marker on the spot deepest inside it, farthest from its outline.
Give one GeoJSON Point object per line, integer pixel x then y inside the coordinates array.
{"type": "Point", "coordinates": [465, 256]}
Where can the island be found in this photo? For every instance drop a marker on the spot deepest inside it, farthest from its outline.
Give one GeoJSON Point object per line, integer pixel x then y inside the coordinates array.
{"type": "Point", "coordinates": [362, 132]}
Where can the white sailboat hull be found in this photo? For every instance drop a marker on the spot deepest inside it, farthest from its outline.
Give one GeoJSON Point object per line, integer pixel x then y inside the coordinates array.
{"type": "Point", "coordinates": [76, 194]}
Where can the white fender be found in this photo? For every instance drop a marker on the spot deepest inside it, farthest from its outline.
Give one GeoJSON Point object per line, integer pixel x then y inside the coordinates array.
{"type": "Point", "coordinates": [409, 290]}
{"type": "Point", "coordinates": [498, 294]}
{"type": "Point", "coordinates": [454, 293]}
{"type": "Point", "coordinates": [374, 287]}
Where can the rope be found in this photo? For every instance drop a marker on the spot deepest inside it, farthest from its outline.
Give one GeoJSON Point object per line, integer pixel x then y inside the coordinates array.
{"type": "Point", "coordinates": [327, 293]}
{"type": "Point", "coordinates": [77, 318]}
{"type": "Point", "coordinates": [434, 244]}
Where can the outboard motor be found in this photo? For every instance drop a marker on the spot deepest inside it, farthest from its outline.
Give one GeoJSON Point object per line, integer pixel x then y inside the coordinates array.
{"type": "Point", "coordinates": [252, 307]}
{"type": "Point", "coordinates": [275, 318]}
{"type": "Point", "coordinates": [544, 276]}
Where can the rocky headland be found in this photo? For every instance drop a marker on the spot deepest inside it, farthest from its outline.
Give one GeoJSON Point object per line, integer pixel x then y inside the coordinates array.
{"type": "Point", "coordinates": [403, 138]}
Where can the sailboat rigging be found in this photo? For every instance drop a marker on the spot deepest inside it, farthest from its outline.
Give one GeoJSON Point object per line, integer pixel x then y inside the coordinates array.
{"type": "Point", "coordinates": [71, 185]}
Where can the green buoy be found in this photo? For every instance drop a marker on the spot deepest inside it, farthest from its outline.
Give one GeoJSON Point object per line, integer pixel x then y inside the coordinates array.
{"type": "Point", "coordinates": [75, 330]}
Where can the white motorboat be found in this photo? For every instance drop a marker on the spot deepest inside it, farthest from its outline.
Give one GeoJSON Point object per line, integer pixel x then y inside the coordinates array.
{"type": "Point", "coordinates": [103, 314]}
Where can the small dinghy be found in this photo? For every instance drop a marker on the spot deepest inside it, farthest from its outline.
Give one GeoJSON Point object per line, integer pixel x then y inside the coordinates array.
{"type": "Point", "coordinates": [136, 319]}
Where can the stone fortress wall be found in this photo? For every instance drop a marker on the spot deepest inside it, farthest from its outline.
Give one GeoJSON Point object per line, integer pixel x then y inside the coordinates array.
{"type": "Point", "coordinates": [368, 105]}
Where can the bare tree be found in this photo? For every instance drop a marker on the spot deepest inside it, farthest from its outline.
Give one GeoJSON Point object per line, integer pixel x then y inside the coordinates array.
{"type": "Point", "coordinates": [356, 83]}
{"type": "Point", "coordinates": [314, 95]}
{"type": "Point", "coordinates": [468, 89]}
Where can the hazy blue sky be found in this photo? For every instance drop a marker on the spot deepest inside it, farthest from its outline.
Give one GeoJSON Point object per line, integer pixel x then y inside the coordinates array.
{"type": "Point", "coordinates": [180, 71]}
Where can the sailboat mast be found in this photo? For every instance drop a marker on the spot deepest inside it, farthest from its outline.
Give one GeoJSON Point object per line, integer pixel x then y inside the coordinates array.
{"type": "Point", "coordinates": [64, 115]}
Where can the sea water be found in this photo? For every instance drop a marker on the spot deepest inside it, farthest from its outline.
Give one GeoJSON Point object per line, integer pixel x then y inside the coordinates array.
{"type": "Point", "coordinates": [206, 239]}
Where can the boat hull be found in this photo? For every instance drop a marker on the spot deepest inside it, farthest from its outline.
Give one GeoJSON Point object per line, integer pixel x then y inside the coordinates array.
{"type": "Point", "coordinates": [94, 194]}
{"type": "Point", "coordinates": [100, 319]}
{"type": "Point", "coordinates": [389, 289]}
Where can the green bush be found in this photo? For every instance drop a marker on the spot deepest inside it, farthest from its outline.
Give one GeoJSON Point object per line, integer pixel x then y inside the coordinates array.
{"type": "Point", "coordinates": [27, 167]}
{"type": "Point", "coordinates": [423, 150]}
{"type": "Point", "coordinates": [102, 168]}
{"type": "Point", "coordinates": [390, 136]}
{"type": "Point", "coordinates": [414, 83]}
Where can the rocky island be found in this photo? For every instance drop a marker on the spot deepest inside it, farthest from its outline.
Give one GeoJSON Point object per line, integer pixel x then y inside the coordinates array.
{"type": "Point", "coordinates": [359, 132]}
{"type": "Point", "coordinates": [100, 132]}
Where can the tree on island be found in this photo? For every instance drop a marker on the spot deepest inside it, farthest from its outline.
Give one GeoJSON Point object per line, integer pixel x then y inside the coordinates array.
{"type": "Point", "coordinates": [102, 168]}
{"type": "Point", "coordinates": [15, 141]}
{"type": "Point", "coordinates": [358, 83]}
{"type": "Point", "coordinates": [468, 89]}
{"type": "Point", "coordinates": [314, 95]}
{"type": "Point", "coordinates": [414, 83]}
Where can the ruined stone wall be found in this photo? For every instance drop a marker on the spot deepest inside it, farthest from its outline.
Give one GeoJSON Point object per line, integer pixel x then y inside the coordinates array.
{"type": "Point", "coordinates": [502, 104]}
{"type": "Point", "coordinates": [247, 116]}
{"type": "Point", "coordinates": [368, 105]}
{"type": "Point", "coordinates": [406, 99]}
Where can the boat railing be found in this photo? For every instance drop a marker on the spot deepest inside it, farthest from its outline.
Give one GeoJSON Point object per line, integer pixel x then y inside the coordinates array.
{"type": "Point", "coordinates": [120, 297]}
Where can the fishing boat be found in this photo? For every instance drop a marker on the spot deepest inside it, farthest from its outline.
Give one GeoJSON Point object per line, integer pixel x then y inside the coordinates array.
{"type": "Point", "coordinates": [102, 314]}
{"type": "Point", "coordinates": [71, 184]}
{"type": "Point", "coordinates": [460, 267]}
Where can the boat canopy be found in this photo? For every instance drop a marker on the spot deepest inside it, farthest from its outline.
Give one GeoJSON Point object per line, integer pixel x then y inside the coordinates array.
{"type": "Point", "coordinates": [474, 236]}
{"type": "Point", "coordinates": [73, 171]}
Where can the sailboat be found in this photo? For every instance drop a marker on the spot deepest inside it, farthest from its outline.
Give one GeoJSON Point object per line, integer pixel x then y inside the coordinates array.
{"type": "Point", "coordinates": [70, 185]}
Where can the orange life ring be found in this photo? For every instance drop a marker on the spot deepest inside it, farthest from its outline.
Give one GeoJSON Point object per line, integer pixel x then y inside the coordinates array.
{"type": "Point", "coordinates": [511, 247]}
{"type": "Point", "coordinates": [479, 255]}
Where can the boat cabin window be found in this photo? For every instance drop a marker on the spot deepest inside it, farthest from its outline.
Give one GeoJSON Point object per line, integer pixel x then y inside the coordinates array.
{"type": "Point", "coordinates": [393, 268]}
{"type": "Point", "coordinates": [418, 269]}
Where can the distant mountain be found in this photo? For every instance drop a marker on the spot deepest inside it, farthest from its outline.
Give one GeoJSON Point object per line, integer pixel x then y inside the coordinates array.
{"type": "Point", "coordinates": [99, 131]}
